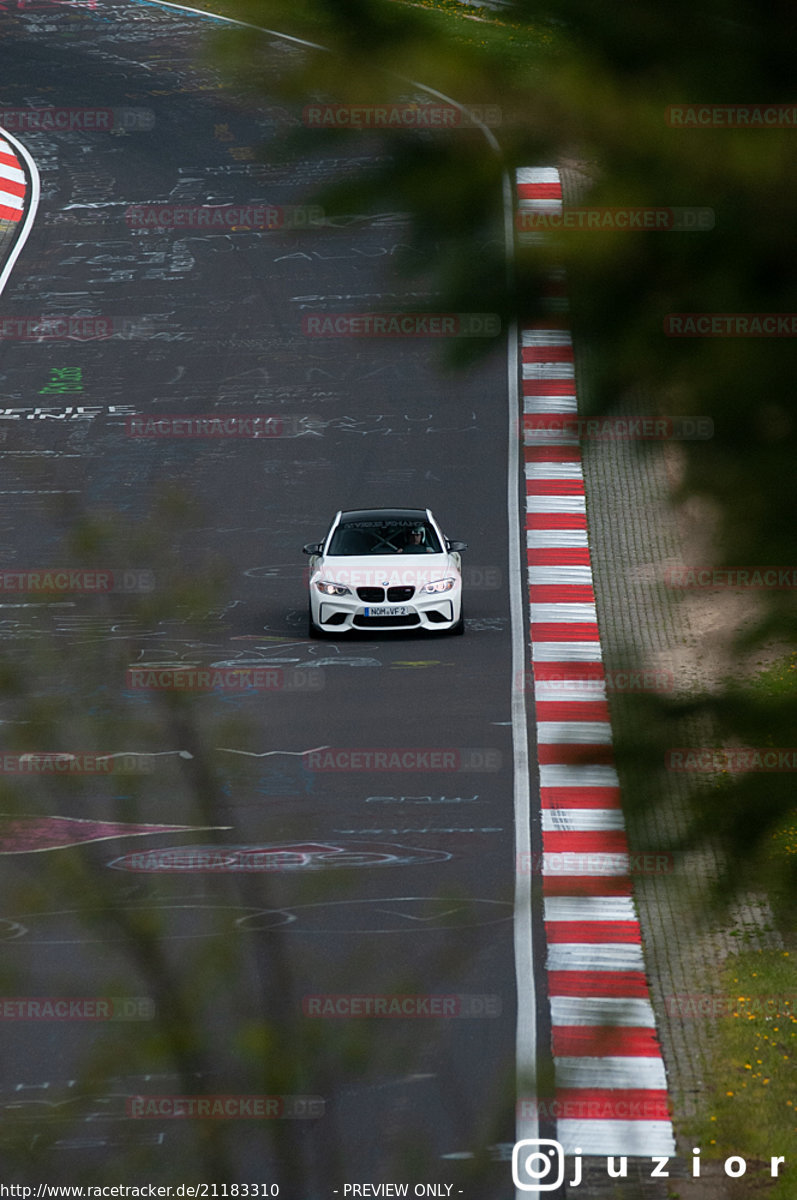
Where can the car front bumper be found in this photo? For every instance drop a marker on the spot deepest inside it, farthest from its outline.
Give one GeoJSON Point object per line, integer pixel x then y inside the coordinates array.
{"type": "Point", "coordinates": [347, 614]}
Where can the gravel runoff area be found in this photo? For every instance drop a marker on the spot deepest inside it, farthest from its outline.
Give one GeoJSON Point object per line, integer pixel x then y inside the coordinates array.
{"type": "Point", "coordinates": [635, 534]}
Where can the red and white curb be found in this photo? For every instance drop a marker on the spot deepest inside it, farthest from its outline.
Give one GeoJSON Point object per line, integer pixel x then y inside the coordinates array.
{"type": "Point", "coordinates": [611, 1088]}
{"type": "Point", "coordinates": [20, 188]}
{"type": "Point", "coordinates": [12, 184]}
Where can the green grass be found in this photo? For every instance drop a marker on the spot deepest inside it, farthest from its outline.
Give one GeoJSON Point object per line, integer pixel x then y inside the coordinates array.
{"type": "Point", "coordinates": [779, 679]}
{"type": "Point", "coordinates": [515, 40]}
{"type": "Point", "coordinates": [752, 1103]}
{"type": "Point", "coordinates": [495, 33]}
{"type": "Point", "coordinates": [778, 683]}
{"type": "Point", "coordinates": [749, 1104]}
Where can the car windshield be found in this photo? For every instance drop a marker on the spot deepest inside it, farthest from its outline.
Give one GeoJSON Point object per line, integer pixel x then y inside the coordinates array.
{"type": "Point", "coordinates": [399, 536]}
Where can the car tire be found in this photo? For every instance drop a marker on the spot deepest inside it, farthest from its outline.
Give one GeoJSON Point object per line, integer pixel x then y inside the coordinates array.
{"type": "Point", "coordinates": [458, 629]}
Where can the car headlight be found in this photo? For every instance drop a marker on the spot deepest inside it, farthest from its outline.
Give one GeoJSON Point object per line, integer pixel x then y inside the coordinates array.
{"type": "Point", "coordinates": [439, 585]}
{"type": "Point", "coordinates": [332, 589]}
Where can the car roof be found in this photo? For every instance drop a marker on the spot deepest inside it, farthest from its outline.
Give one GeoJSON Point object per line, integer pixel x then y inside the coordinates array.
{"type": "Point", "coordinates": [383, 514]}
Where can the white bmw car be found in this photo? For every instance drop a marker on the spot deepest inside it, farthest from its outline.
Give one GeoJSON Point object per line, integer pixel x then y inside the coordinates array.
{"type": "Point", "coordinates": [385, 569]}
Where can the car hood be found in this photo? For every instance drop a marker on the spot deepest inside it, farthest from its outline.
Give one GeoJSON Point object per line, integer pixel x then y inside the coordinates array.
{"type": "Point", "coordinates": [386, 570]}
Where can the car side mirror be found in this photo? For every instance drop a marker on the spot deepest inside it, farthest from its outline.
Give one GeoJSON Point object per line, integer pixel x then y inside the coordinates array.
{"type": "Point", "coordinates": [312, 548]}
{"type": "Point", "coordinates": [457, 546]}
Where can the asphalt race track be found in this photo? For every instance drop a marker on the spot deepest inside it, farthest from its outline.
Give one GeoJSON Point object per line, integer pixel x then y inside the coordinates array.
{"type": "Point", "coordinates": [287, 879]}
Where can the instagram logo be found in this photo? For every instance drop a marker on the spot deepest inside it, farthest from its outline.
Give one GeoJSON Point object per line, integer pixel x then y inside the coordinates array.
{"type": "Point", "coordinates": [534, 1162]}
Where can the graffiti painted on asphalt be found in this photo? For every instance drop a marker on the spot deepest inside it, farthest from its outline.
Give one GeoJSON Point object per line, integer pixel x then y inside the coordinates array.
{"type": "Point", "coordinates": [192, 919]}
{"type": "Point", "coordinates": [289, 856]}
{"type": "Point", "coordinates": [423, 799]}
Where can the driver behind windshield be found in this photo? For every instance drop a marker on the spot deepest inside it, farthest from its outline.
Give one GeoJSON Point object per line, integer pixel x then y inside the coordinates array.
{"type": "Point", "coordinates": [415, 541]}
{"type": "Point", "coordinates": [368, 537]}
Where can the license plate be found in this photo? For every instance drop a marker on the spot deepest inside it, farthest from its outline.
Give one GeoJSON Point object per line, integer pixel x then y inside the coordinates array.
{"type": "Point", "coordinates": [387, 610]}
